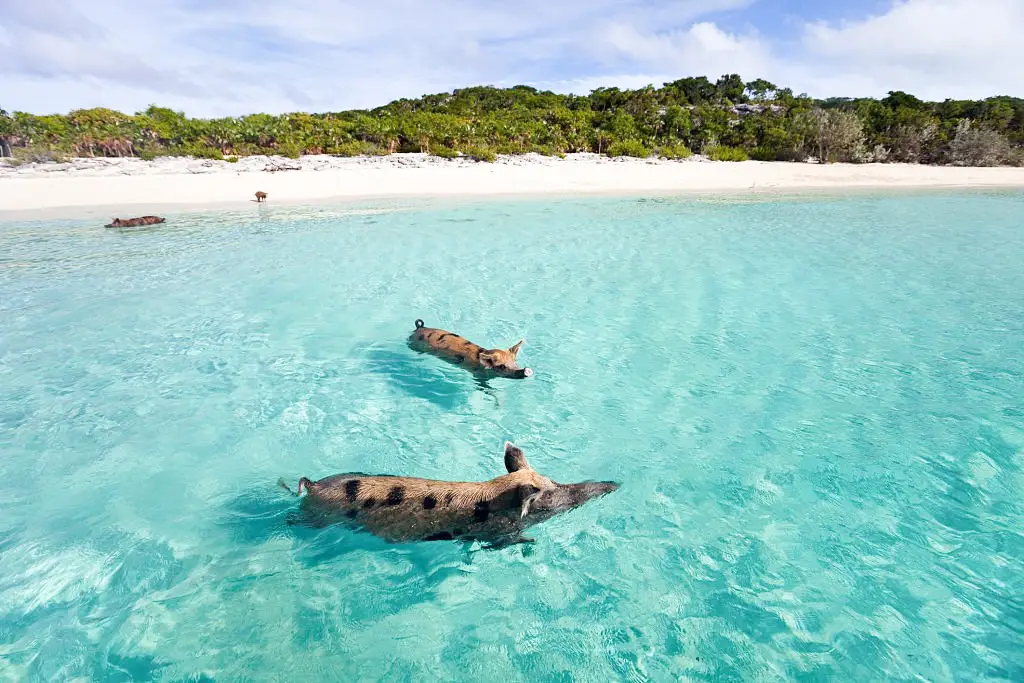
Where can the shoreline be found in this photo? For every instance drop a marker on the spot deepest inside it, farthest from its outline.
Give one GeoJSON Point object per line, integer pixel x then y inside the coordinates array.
{"type": "Point", "coordinates": [124, 187]}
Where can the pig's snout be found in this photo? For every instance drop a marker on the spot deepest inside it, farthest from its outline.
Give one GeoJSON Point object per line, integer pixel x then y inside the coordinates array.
{"type": "Point", "coordinates": [525, 372]}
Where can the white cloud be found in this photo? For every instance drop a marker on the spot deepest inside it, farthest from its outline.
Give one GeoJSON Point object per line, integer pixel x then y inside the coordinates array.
{"type": "Point", "coordinates": [701, 49]}
{"type": "Point", "coordinates": [932, 48]}
{"type": "Point", "coordinates": [947, 30]}
{"type": "Point", "coordinates": [217, 57]}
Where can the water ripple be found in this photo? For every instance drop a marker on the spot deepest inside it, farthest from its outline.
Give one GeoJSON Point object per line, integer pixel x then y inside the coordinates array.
{"type": "Point", "coordinates": [813, 406]}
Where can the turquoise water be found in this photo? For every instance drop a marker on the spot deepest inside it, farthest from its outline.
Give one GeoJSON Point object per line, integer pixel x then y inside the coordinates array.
{"type": "Point", "coordinates": [815, 408]}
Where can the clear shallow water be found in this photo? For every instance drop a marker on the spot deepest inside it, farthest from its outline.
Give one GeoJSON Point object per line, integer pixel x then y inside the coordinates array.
{"type": "Point", "coordinates": [815, 408]}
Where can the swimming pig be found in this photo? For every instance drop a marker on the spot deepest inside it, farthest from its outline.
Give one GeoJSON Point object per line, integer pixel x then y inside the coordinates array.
{"type": "Point", "coordinates": [478, 360]}
{"type": "Point", "coordinates": [406, 509]}
{"type": "Point", "coordinates": [134, 222]}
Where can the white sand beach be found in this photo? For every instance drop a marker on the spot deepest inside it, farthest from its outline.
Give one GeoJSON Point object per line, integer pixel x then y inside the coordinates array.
{"type": "Point", "coordinates": [126, 187]}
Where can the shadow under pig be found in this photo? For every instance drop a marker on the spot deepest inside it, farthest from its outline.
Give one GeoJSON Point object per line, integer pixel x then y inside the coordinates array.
{"type": "Point", "coordinates": [423, 377]}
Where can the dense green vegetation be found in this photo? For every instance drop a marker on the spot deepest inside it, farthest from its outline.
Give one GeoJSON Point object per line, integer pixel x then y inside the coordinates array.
{"type": "Point", "coordinates": [727, 119]}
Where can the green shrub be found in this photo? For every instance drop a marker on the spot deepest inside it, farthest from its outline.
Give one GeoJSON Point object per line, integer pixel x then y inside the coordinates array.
{"type": "Point", "coordinates": [674, 151]}
{"type": "Point", "coordinates": [231, 160]}
{"type": "Point", "coordinates": [543, 150]}
{"type": "Point", "coordinates": [203, 152]}
{"type": "Point", "coordinates": [355, 148]}
{"type": "Point", "coordinates": [290, 150]}
{"type": "Point", "coordinates": [506, 148]}
{"type": "Point", "coordinates": [444, 152]}
{"type": "Point", "coordinates": [147, 154]}
{"type": "Point", "coordinates": [481, 154]}
{"type": "Point", "coordinates": [726, 153]}
{"type": "Point", "coordinates": [38, 154]}
{"type": "Point", "coordinates": [628, 148]}
{"type": "Point", "coordinates": [764, 154]}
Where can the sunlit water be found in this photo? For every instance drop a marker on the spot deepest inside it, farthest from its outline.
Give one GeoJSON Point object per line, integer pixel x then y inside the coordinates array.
{"type": "Point", "coordinates": [815, 408]}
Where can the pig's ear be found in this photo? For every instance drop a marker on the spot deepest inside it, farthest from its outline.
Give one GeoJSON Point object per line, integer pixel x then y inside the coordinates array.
{"type": "Point", "coordinates": [515, 460]}
{"type": "Point", "coordinates": [514, 350]}
{"type": "Point", "coordinates": [487, 359]}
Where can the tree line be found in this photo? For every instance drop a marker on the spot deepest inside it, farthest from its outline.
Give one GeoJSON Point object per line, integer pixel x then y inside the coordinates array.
{"type": "Point", "coordinates": [727, 119]}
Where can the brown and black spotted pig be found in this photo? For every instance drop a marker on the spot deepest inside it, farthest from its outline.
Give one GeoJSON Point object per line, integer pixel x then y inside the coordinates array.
{"type": "Point", "coordinates": [406, 509]}
{"type": "Point", "coordinates": [134, 222]}
{"type": "Point", "coordinates": [478, 360]}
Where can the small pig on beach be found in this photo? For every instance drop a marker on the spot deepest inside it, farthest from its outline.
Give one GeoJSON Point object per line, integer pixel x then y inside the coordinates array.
{"type": "Point", "coordinates": [460, 351]}
{"type": "Point", "coordinates": [406, 509]}
{"type": "Point", "coordinates": [134, 222]}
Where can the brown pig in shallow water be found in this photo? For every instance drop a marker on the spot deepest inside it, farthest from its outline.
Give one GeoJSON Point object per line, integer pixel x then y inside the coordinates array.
{"type": "Point", "coordinates": [134, 222]}
{"type": "Point", "coordinates": [459, 350]}
{"type": "Point", "coordinates": [406, 509]}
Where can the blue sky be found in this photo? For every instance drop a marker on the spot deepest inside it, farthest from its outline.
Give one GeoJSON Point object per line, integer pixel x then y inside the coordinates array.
{"type": "Point", "coordinates": [230, 57]}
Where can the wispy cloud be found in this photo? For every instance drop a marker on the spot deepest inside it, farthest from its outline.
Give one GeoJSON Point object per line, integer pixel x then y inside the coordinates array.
{"type": "Point", "coordinates": [934, 48]}
{"type": "Point", "coordinates": [217, 57]}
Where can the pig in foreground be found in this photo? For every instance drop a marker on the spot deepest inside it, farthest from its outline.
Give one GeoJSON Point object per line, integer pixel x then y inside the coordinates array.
{"type": "Point", "coordinates": [134, 222]}
{"type": "Point", "coordinates": [406, 509]}
{"type": "Point", "coordinates": [478, 360]}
